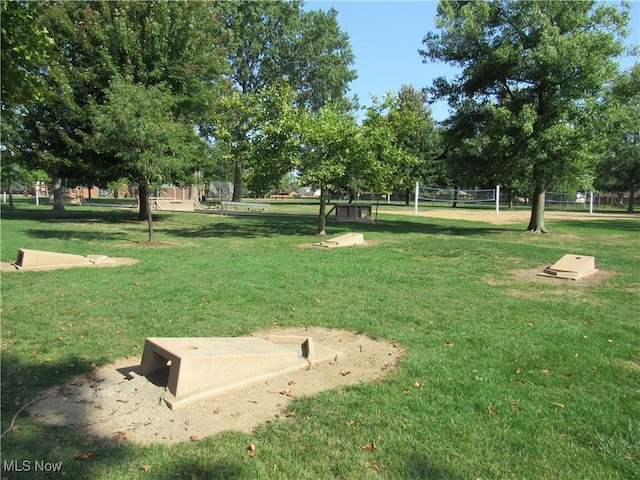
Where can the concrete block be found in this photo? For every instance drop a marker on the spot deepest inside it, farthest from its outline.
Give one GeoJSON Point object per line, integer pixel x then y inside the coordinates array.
{"type": "Point", "coordinates": [572, 267]}
{"type": "Point", "coordinates": [201, 367]}
{"type": "Point", "coordinates": [346, 240]}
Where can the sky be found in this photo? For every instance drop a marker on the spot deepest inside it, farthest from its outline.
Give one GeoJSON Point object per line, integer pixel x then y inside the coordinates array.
{"type": "Point", "coordinates": [385, 37]}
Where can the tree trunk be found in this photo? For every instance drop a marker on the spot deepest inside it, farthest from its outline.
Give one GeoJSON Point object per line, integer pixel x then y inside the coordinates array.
{"type": "Point", "coordinates": [237, 182]}
{"type": "Point", "coordinates": [194, 192]}
{"type": "Point", "coordinates": [143, 202]}
{"type": "Point", "coordinates": [407, 197]}
{"type": "Point", "coordinates": [58, 204]}
{"type": "Point", "coordinates": [322, 216]}
{"type": "Point", "coordinates": [632, 195]}
{"type": "Point", "coordinates": [536, 223]}
{"type": "Point", "coordinates": [12, 206]}
{"type": "Point", "coordinates": [149, 219]}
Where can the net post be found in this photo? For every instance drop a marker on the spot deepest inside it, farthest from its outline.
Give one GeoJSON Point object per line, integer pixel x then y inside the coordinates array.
{"type": "Point", "coordinates": [591, 202]}
{"type": "Point", "coordinates": [415, 204]}
{"type": "Point", "coordinates": [497, 199]}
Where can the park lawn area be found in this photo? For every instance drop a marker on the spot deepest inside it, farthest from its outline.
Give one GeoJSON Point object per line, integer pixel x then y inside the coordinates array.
{"type": "Point", "coordinates": [503, 377]}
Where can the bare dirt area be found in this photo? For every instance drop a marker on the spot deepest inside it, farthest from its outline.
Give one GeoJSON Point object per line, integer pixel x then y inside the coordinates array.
{"type": "Point", "coordinates": [533, 275]}
{"type": "Point", "coordinates": [509, 216]}
{"type": "Point", "coordinates": [115, 404]}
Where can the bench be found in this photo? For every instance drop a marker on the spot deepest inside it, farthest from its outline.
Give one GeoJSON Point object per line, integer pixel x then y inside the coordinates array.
{"type": "Point", "coordinates": [243, 206]}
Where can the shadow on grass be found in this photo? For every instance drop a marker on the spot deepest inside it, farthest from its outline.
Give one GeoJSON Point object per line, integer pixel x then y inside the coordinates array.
{"type": "Point", "coordinates": [27, 443]}
{"type": "Point", "coordinates": [622, 226]}
{"type": "Point", "coordinates": [240, 226]}
{"type": "Point", "coordinates": [255, 227]}
{"type": "Point", "coordinates": [421, 467]}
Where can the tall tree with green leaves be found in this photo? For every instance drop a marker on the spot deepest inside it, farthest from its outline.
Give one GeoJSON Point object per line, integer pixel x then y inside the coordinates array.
{"type": "Point", "coordinates": [331, 145]}
{"type": "Point", "coordinates": [419, 137]}
{"type": "Point", "coordinates": [137, 125]}
{"type": "Point", "coordinates": [26, 47]}
{"type": "Point", "coordinates": [177, 44]}
{"type": "Point", "coordinates": [619, 169]}
{"type": "Point", "coordinates": [533, 66]}
{"type": "Point", "coordinates": [271, 41]}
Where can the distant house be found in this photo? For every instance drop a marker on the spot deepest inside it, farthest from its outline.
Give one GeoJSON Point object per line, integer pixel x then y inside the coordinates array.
{"type": "Point", "coordinates": [617, 199]}
{"type": "Point", "coordinates": [309, 192]}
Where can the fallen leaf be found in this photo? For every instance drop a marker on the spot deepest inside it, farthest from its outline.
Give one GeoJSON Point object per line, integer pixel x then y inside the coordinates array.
{"type": "Point", "coordinates": [559, 405]}
{"type": "Point", "coordinates": [369, 446]}
{"type": "Point", "coordinates": [491, 410]}
{"type": "Point", "coordinates": [145, 467]}
{"type": "Point", "coordinates": [194, 438]}
{"type": "Point", "coordinates": [448, 344]}
{"type": "Point", "coordinates": [252, 450]}
{"type": "Point", "coordinates": [84, 456]}
{"type": "Point", "coordinates": [405, 391]}
{"type": "Point", "coordinates": [344, 372]}
{"type": "Point", "coordinates": [544, 372]}
{"type": "Point", "coordinates": [419, 384]}
{"type": "Point", "coordinates": [287, 393]}
{"type": "Point", "coordinates": [291, 414]}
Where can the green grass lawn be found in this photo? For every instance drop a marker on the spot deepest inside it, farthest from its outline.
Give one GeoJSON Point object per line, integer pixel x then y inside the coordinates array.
{"type": "Point", "coordinates": [521, 379]}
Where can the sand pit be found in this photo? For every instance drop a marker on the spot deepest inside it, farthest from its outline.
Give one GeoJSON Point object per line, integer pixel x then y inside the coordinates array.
{"type": "Point", "coordinates": [509, 216]}
{"type": "Point", "coordinates": [107, 404]}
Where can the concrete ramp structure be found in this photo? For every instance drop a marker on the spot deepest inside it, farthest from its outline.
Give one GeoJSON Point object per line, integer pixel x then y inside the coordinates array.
{"type": "Point", "coordinates": [43, 260]}
{"type": "Point", "coordinates": [346, 240]}
{"type": "Point", "coordinates": [572, 267]}
{"type": "Point", "coordinates": [201, 367]}
{"type": "Point", "coordinates": [169, 204]}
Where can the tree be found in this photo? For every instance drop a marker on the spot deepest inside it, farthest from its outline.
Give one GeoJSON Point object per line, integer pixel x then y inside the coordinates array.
{"type": "Point", "coordinates": [26, 47]}
{"type": "Point", "coordinates": [177, 44]}
{"type": "Point", "coordinates": [418, 136]}
{"type": "Point", "coordinates": [331, 143]}
{"type": "Point", "coordinates": [137, 125]}
{"type": "Point", "coordinates": [619, 168]}
{"type": "Point", "coordinates": [535, 65]}
{"type": "Point", "coordinates": [275, 40]}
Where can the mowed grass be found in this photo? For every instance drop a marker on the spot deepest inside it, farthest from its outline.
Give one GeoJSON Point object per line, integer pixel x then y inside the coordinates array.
{"type": "Point", "coordinates": [503, 377]}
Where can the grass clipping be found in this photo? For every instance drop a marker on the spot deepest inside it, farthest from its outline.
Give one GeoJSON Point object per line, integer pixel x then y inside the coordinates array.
{"type": "Point", "coordinates": [107, 404]}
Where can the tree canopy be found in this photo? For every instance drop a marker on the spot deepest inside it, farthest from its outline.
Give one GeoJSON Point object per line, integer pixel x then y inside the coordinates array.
{"type": "Point", "coordinates": [272, 41]}
{"type": "Point", "coordinates": [529, 70]}
{"type": "Point", "coordinates": [174, 44]}
{"type": "Point", "coordinates": [136, 124]}
{"type": "Point", "coordinates": [619, 169]}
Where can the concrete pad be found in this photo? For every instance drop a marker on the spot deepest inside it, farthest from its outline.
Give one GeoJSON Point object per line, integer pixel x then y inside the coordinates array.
{"type": "Point", "coordinates": [169, 204]}
{"type": "Point", "coordinates": [346, 240]}
{"type": "Point", "coordinates": [43, 260]}
{"type": "Point", "coordinates": [572, 267]}
{"type": "Point", "coordinates": [201, 367]}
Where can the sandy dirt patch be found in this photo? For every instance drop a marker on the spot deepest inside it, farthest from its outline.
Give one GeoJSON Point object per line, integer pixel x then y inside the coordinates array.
{"type": "Point", "coordinates": [508, 216]}
{"type": "Point", "coordinates": [113, 405]}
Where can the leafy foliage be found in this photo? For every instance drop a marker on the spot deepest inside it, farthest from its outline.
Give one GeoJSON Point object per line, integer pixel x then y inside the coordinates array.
{"type": "Point", "coordinates": [137, 126]}
{"type": "Point", "coordinates": [528, 72]}
{"type": "Point", "coordinates": [620, 167]}
{"type": "Point", "coordinates": [174, 44]}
